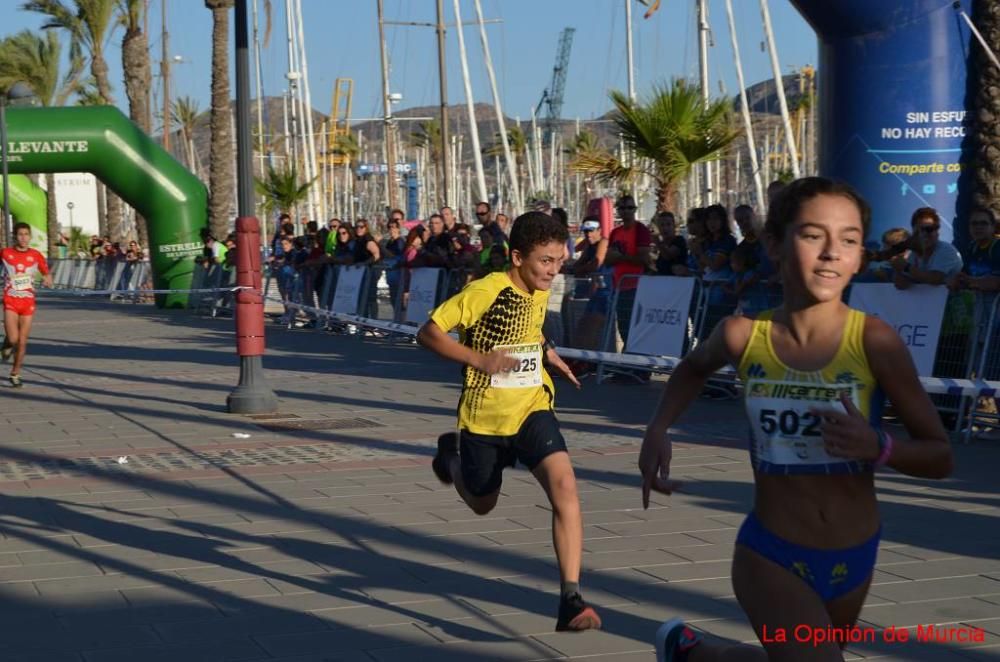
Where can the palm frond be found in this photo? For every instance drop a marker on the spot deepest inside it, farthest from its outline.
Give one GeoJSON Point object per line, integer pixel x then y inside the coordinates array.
{"type": "Point", "coordinates": [605, 167]}
{"type": "Point", "coordinates": [280, 190]}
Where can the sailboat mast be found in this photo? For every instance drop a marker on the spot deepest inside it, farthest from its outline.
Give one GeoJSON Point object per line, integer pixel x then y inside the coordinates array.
{"type": "Point", "coordinates": [165, 74]}
{"type": "Point", "coordinates": [443, 85]}
{"type": "Point", "coordinates": [703, 69]}
{"type": "Point", "coordinates": [387, 137]}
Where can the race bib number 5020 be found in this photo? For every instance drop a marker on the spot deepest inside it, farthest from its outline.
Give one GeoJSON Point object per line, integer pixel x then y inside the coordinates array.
{"type": "Point", "coordinates": [785, 431]}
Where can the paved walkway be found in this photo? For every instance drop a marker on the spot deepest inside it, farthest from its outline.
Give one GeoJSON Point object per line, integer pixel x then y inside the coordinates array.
{"type": "Point", "coordinates": [323, 534]}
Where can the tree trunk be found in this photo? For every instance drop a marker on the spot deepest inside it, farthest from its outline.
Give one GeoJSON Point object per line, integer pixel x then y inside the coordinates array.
{"type": "Point", "coordinates": [102, 209]}
{"type": "Point", "coordinates": [135, 63]}
{"type": "Point", "coordinates": [666, 197]}
{"type": "Point", "coordinates": [986, 122]}
{"type": "Point", "coordinates": [113, 204]}
{"type": "Point", "coordinates": [220, 167]}
{"type": "Point", "coordinates": [51, 216]}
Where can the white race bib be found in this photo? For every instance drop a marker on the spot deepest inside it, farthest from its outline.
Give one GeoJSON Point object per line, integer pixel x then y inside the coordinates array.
{"type": "Point", "coordinates": [785, 432]}
{"type": "Point", "coordinates": [21, 282]}
{"type": "Point", "coordinates": [528, 372]}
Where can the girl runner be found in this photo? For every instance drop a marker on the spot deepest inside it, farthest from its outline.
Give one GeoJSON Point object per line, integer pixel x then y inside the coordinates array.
{"type": "Point", "coordinates": [21, 264]}
{"type": "Point", "coordinates": [815, 374]}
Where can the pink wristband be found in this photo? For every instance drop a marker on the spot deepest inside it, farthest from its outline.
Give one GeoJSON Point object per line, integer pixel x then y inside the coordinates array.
{"type": "Point", "coordinates": [885, 441]}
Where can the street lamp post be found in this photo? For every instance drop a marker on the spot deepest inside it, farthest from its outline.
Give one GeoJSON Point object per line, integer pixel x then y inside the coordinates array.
{"type": "Point", "coordinates": [16, 92]}
{"type": "Point", "coordinates": [69, 239]}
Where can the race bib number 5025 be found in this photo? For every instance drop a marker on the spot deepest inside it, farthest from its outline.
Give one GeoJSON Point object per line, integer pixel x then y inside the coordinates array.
{"type": "Point", "coordinates": [528, 371]}
{"type": "Point", "coordinates": [785, 431]}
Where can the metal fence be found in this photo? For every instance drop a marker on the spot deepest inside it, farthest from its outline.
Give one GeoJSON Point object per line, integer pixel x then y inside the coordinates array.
{"type": "Point", "coordinates": [118, 277]}
{"type": "Point", "coordinates": [586, 313]}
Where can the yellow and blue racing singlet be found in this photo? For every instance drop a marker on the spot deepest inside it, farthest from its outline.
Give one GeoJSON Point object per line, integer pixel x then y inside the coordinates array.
{"type": "Point", "coordinates": [785, 438]}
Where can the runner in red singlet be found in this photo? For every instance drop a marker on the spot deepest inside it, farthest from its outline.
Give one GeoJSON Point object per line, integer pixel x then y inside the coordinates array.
{"type": "Point", "coordinates": [21, 265]}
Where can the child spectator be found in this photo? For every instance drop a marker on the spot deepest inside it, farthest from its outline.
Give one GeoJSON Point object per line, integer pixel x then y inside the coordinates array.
{"type": "Point", "coordinates": [744, 283]}
{"type": "Point", "coordinates": [672, 252]}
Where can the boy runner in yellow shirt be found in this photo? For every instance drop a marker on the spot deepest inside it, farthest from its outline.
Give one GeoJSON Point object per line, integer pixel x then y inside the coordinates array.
{"type": "Point", "coordinates": [505, 414]}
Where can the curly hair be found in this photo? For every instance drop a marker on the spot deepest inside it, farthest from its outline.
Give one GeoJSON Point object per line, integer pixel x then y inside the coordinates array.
{"type": "Point", "coordinates": [534, 229]}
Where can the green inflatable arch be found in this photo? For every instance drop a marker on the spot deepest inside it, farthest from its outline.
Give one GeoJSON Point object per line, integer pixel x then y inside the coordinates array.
{"type": "Point", "coordinates": [28, 204]}
{"type": "Point", "coordinates": [102, 141]}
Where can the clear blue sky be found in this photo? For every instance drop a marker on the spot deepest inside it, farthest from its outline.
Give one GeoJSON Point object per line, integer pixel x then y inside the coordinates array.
{"type": "Point", "coordinates": [342, 41]}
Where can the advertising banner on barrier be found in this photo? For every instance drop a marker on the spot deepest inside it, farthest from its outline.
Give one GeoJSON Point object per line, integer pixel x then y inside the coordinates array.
{"type": "Point", "coordinates": [423, 294]}
{"type": "Point", "coordinates": [660, 316]}
{"type": "Point", "coordinates": [349, 281]}
{"type": "Point", "coordinates": [915, 313]}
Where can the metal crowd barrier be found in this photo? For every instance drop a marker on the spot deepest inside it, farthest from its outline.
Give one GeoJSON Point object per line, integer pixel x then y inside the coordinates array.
{"type": "Point", "coordinates": [119, 276]}
{"type": "Point", "coordinates": [589, 330]}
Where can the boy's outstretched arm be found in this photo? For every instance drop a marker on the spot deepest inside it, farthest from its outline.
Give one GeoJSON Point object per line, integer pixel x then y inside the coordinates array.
{"type": "Point", "coordinates": [438, 341]}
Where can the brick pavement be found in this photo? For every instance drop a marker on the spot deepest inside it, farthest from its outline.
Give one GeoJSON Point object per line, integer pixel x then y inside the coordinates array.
{"type": "Point", "coordinates": [334, 541]}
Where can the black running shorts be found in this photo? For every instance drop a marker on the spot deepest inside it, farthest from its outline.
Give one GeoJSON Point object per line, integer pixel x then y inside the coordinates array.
{"type": "Point", "coordinates": [485, 456]}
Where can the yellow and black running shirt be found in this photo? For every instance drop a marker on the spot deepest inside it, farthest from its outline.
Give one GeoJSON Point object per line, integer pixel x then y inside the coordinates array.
{"type": "Point", "coordinates": [492, 313]}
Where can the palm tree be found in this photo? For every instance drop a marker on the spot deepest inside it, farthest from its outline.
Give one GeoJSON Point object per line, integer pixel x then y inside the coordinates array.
{"type": "Point", "coordinates": [89, 24]}
{"type": "Point", "coordinates": [346, 145]}
{"type": "Point", "coordinates": [986, 130]}
{"type": "Point", "coordinates": [674, 130]}
{"type": "Point", "coordinates": [518, 142]}
{"type": "Point", "coordinates": [36, 60]}
{"type": "Point", "coordinates": [280, 190]}
{"type": "Point", "coordinates": [584, 142]}
{"type": "Point", "coordinates": [184, 114]}
{"type": "Point", "coordinates": [221, 177]}
{"type": "Point", "coordinates": [138, 78]}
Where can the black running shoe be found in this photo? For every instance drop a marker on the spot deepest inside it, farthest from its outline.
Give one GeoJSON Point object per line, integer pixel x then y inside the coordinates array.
{"type": "Point", "coordinates": [575, 615]}
{"type": "Point", "coordinates": [447, 449]}
{"type": "Point", "coordinates": [6, 351]}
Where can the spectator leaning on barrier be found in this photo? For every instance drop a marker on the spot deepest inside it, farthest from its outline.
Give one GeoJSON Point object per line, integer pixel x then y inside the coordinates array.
{"type": "Point", "coordinates": [745, 282]}
{"type": "Point", "coordinates": [981, 274]}
{"type": "Point", "coordinates": [437, 247]}
{"type": "Point", "coordinates": [366, 251]}
{"type": "Point", "coordinates": [414, 245]}
{"type": "Point", "coordinates": [629, 254]}
{"type": "Point", "coordinates": [593, 280]}
{"type": "Point", "coordinates": [719, 245]}
{"type": "Point", "coordinates": [931, 262]}
{"type": "Point", "coordinates": [671, 249]}
{"type": "Point", "coordinates": [750, 228]}
{"type": "Point", "coordinates": [344, 251]}
{"type": "Point", "coordinates": [697, 232]}
{"type": "Point", "coordinates": [981, 258]}
{"type": "Point", "coordinates": [981, 264]}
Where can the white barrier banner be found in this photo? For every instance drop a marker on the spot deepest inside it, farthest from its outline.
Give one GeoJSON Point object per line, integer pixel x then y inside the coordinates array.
{"type": "Point", "coordinates": [660, 316]}
{"type": "Point", "coordinates": [423, 294]}
{"type": "Point", "coordinates": [915, 313]}
{"type": "Point", "coordinates": [349, 281]}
